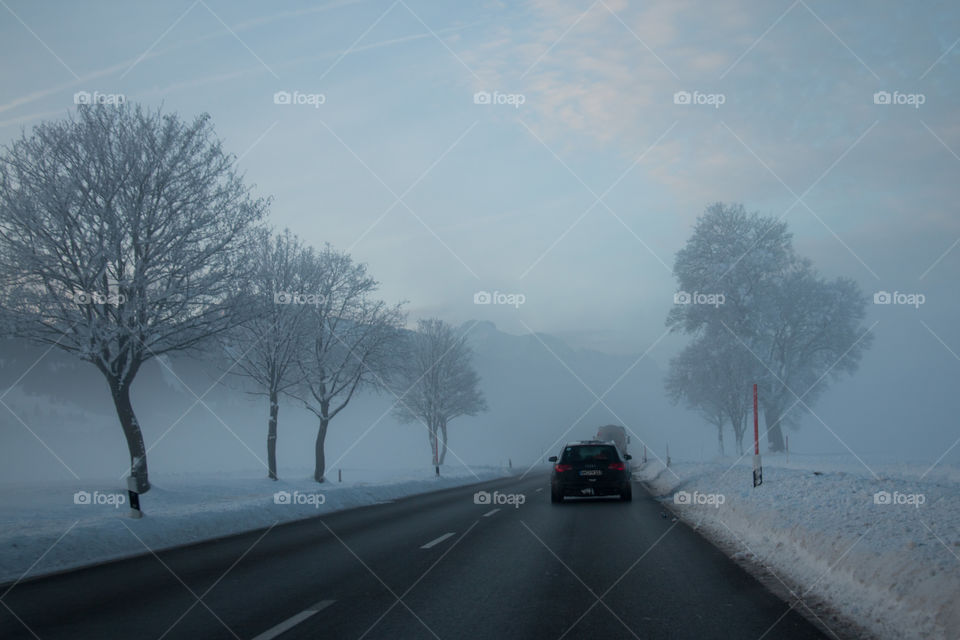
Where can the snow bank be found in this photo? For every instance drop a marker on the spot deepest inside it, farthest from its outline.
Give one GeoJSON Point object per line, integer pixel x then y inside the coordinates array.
{"type": "Point", "coordinates": [46, 528]}
{"type": "Point", "coordinates": [881, 551]}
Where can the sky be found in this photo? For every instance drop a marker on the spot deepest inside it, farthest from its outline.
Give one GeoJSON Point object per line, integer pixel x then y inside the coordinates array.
{"type": "Point", "coordinates": [610, 126]}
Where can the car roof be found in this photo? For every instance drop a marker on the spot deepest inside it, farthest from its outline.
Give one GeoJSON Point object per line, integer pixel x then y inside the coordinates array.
{"type": "Point", "coordinates": [580, 443]}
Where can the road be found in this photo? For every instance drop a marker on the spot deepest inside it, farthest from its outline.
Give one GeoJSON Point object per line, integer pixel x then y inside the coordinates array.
{"type": "Point", "coordinates": [429, 566]}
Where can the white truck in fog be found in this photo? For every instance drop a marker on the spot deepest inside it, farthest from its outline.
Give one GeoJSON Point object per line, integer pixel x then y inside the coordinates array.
{"type": "Point", "coordinates": [616, 434]}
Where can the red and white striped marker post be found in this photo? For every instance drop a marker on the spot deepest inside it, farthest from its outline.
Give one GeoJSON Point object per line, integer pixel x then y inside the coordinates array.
{"type": "Point", "coordinates": [757, 468]}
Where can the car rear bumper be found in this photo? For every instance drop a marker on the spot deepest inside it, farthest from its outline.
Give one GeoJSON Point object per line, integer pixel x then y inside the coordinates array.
{"type": "Point", "coordinates": [586, 488]}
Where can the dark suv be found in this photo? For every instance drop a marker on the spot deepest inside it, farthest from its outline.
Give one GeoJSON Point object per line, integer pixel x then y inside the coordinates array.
{"type": "Point", "coordinates": [590, 468]}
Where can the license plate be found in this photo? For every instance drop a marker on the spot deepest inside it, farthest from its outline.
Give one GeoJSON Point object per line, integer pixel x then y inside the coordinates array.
{"type": "Point", "coordinates": [591, 472]}
{"type": "Point", "coordinates": [587, 491]}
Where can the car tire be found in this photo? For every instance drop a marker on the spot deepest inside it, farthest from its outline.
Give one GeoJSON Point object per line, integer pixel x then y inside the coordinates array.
{"type": "Point", "coordinates": [627, 494]}
{"type": "Point", "coordinates": [555, 496]}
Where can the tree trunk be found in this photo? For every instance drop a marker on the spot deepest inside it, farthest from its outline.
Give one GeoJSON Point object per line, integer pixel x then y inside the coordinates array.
{"type": "Point", "coordinates": [739, 428]}
{"type": "Point", "coordinates": [774, 433]}
{"type": "Point", "coordinates": [434, 449]}
{"type": "Point", "coordinates": [131, 430]}
{"type": "Point", "coordinates": [321, 462]}
{"type": "Point", "coordinates": [272, 436]}
{"type": "Point", "coordinates": [443, 432]}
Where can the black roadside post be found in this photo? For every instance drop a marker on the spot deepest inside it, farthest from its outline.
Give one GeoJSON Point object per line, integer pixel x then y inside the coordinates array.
{"type": "Point", "coordinates": [135, 511]}
{"type": "Point", "coordinates": [757, 466]}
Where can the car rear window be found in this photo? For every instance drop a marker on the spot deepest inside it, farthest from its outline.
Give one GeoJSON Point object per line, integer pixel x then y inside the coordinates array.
{"type": "Point", "coordinates": [590, 453]}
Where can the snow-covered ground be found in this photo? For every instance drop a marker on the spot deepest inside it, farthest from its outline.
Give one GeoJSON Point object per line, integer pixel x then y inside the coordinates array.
{"type": "Point", "coordinates": [46, 528]}
{"type": "Point", "coordinates": [883, 551]}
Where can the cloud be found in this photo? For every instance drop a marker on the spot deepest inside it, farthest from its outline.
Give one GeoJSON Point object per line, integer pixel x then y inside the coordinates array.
{"type": "Point", "coordinates": [798, 94]}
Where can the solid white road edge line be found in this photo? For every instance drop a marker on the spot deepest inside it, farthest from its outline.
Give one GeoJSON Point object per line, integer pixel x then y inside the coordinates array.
{"type": "Point", "coordinates": [293, 621]}
{"type": "Point", "coordinates": [491, 512]}
{"type": "Point", "coordinates": [437, 541]}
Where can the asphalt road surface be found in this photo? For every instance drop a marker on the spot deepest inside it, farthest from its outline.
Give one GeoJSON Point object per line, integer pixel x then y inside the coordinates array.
{"type": "Point", "coordinates": [429, 566]}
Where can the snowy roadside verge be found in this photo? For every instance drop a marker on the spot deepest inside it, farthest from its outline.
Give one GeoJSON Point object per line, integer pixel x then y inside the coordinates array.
{"type": "Point", "coordinates": [883, 553]}
{"type": "Point", "coordinates": [56, 527]}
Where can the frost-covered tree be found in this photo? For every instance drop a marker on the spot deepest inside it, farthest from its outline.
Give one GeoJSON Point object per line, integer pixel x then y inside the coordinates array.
{"type": "Point", "coordinates": [812, 335]}
{"type": "Point", "coordinates": [436, 382]}
{"type": "Point", "coordinates": [713, 375]}
{"type": "Point", "coordinates": [122, 237]}
{"type": "Point", "coordinates": [741, 256]}
{"type": "Point", "coordinates": [689, 381]}
{"type": "Point", "coordinates": [353, 342]}
{"type": "Point", "coordinates": [802, 329]}
{"type": "Point", "coordinates": [265, 348]}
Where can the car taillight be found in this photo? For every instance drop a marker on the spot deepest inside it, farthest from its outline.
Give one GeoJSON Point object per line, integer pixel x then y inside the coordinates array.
{"type": "Point", "coordinates": [560, 468]}
{"type": "Point", "coordinates": [616, 466]}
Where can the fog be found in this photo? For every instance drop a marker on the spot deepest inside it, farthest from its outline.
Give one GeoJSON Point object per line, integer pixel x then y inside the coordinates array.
{"type": "Point", "coordinates": [576, 199]}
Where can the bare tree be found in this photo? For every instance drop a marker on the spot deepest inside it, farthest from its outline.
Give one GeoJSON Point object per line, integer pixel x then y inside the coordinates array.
{"type": "Point", "coordinates": [122, 234]}
{"type": "Point", "coordinates": [713, 374]}
{"type": "Point", "coordinates": [265, 348]}
{"type": "Point", "coordinates": [353, 339]}
{"type": "Point", "coordinates": [811, 335]}
{"type": "Point", "coordinates": [738, 255]}
{"type": "Point", "coordinates": [437, 383]}
{"type": "Point", "coordinates": [801, 329]}
{"type": "Point", "coordinates": [691, 381]}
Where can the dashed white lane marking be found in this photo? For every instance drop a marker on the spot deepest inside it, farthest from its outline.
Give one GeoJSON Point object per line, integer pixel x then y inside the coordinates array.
{"type": "Point", "coordinates": [491, 512]}
{"type": "Point", "coordinates": [540, 489]}
{"type": "Point", "coordinates": [291, 622]}
{"type": "Point", "coordinates": [437, 541]}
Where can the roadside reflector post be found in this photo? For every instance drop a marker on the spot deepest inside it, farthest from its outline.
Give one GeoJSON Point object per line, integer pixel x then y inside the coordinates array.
{"type": "Point", "coordinates": [668, 455]}
{"type": "Point", "coordinates": [757, 471]}
{"type": "Point", "coordinates": [787, 447]}
{"type": "Point", "coordinates": [339, 475]}
{"type": "Point", "coordinates": [132, 487]}
{"type": "Point", "coordinates": [437, 469]}
{"type": "Point", "coordinates": [757, 467]}
{"type": "Point", "coordinates": [644, 454]}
